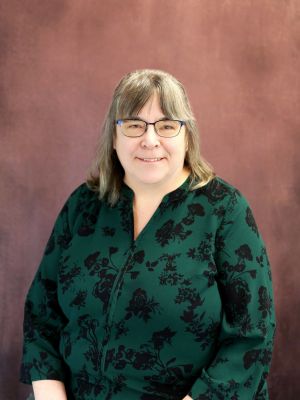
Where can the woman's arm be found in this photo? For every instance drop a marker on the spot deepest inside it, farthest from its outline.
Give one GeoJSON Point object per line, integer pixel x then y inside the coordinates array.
{"type": "Point", "coordinates": [243, 355]}
{"type": "Point", "coordinates": [43, 317]}
{"type": "Point", "coordinates": [49, 390]}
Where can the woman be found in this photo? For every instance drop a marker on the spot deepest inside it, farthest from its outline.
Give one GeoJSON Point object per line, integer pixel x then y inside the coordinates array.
{"type": "Point", "coordinates": [155, 282]}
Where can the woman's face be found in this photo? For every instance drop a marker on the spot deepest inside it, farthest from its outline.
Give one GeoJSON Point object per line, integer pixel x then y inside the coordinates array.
{"type": "Point", "coordinates": [151, 160]}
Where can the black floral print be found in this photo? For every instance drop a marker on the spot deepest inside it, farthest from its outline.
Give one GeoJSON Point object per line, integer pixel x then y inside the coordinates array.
{"type": "Point", "coordinates": [250, 221]}
{"type": "Point", "coordinates": [67, 277]}
{"type": "Point", "coordinates": [265, 302]}
{"type": "Point", "coordinates": [86, 387]}
{"type": "Point", "coordinates": [194, 317]}
{"type": "Point", "coordinates": [141, 306]}
{"type": "Point", "coordinates": [88, 222]}
{"type": "Point", "coordinates": [169, 275]}
{"type": "Point", "coordinates": [215, 191]}
{"type": "Point", "coordinates": [79, 300]}
{"type": "Point", "coordinates": [170, 231]}
{"type": "Point", "coordinates": [186, 308]}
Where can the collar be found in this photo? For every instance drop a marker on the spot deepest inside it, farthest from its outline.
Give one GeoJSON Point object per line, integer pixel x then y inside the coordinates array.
{"type": "Point", "coordinates": [175, 197]}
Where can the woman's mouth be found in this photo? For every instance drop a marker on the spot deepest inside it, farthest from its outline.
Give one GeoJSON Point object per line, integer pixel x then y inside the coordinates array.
{"type": "Point", "coordinates": [150, 160]}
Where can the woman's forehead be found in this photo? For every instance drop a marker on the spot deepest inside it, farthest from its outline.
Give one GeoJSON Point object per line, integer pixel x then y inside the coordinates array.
{"type": "Point", "coordinates": [152, 108]}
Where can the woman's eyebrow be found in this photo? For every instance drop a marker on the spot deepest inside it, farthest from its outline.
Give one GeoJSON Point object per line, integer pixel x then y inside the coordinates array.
{"type": "Point", "coordinates": [134, 117]}
{"type": "Point", "coordinates": [141, 119]}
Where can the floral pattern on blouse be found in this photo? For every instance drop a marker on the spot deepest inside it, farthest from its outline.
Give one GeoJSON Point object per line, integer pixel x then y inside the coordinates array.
{"type": "Point", "coordinates": [186, 308]}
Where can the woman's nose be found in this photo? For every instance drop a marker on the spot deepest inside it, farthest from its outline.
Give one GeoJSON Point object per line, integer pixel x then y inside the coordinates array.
{"type": "Point", "coordinates": [150, 137]}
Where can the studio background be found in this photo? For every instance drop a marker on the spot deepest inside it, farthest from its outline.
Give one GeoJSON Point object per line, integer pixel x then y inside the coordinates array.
{"type": "Point", "coordinates": [59, 63]}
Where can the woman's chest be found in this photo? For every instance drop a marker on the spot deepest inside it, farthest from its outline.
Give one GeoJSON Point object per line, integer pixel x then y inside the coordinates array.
{"type": "Point", "coordinates": [172, 262]}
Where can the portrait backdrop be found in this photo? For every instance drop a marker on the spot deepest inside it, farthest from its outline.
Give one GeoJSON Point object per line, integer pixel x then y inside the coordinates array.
{"type": "Point", "coordinates": [59, 63]}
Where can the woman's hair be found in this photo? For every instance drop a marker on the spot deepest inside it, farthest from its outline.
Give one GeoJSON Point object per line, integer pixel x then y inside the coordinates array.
{"type": "Point", "coordinates": [133, 91]}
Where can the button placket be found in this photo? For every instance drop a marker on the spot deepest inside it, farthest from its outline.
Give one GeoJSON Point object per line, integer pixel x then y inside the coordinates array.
{"type": "Point", "coordinates": [112, 306]}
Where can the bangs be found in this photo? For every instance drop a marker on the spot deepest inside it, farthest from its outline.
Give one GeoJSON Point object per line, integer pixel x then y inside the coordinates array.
{"type": "Point", "coordinates": [130, 102]}
{"type": "Point", "coordinates": [135, 94]}
{"type": "Point", "coordinates": [172, 102]}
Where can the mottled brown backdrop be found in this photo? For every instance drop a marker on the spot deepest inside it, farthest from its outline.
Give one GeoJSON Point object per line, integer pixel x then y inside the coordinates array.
{"type": "Point", "coordinates": [59, 62]}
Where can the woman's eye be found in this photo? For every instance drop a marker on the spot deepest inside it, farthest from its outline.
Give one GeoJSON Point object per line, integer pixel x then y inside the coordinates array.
{"type": "Point", "coordinates": [135, 126]}
{"type": "Point", "coordinates": [168, 127]}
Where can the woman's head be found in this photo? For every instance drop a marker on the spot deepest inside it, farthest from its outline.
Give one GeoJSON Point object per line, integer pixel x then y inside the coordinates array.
{"type": "Point", "coordinates": [130, 96]}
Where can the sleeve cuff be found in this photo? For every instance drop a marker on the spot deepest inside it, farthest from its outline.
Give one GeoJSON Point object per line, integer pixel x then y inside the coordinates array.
{"type": "Point", "coordinates": [30, 372]}
{"type": "Point", "coordinates": [204, 387]}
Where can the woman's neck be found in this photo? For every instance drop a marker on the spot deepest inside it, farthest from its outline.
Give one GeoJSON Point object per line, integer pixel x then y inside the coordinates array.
{"type": "Point", "coordinates": [149, 192]}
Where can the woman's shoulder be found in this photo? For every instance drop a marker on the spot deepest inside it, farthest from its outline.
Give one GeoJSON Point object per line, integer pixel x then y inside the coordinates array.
{"type": "Point", "coordinates": [219, 190]}
{"type": "Point", "coordinates": [83, 193]}
{"type": "Point", "coordinates": [80, 203]}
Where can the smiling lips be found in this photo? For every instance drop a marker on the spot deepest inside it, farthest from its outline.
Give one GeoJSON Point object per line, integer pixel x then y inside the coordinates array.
{"type": "Point", "coordinates": [150, 160]}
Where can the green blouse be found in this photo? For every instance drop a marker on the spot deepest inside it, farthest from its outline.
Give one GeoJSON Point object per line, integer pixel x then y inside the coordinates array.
{"type": "Point", "coordinates": [186, 308]}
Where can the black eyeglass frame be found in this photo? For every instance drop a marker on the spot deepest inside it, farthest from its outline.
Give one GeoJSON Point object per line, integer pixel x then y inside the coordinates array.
{"type": "Point", "coordinates": [120, 121]}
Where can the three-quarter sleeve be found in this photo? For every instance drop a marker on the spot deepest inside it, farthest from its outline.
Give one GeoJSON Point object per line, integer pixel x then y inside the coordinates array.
{"type": "Point", "coordinates": [242, 360]}
{"type": "Point", "coordinates": [43, 318]}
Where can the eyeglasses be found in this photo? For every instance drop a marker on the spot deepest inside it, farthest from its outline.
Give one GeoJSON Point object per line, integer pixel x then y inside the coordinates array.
{"type": "Point", "coordinates": [167, 128]}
